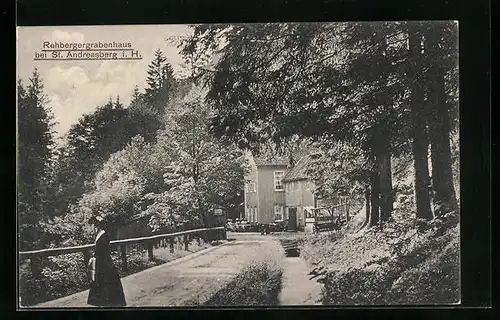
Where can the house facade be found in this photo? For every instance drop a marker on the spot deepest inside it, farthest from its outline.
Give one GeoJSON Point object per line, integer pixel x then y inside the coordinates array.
{"type": "Point", "coordinates": [299, 193]}
{"type": "Point", "coordinates": [276, 191]}
{"type": "Point", "coordinates": [264, 190]}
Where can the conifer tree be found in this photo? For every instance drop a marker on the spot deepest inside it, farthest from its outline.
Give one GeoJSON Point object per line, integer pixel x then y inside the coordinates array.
{"type": "Point", "coordinates": [161, 83]}
{"type": "Point", "coordinates": [35, 151]}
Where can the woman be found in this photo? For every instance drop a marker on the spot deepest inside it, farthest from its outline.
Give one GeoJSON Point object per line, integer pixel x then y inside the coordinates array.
{"type": "Point", "coordinates": [106, 288]}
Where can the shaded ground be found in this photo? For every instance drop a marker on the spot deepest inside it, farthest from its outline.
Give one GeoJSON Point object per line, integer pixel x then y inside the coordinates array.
{"type": "Point", "coordinates": [400, 263]}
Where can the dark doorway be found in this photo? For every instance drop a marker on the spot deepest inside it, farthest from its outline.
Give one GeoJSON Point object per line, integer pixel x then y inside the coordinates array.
{"type": "Point", "coordinates": [292, 219]}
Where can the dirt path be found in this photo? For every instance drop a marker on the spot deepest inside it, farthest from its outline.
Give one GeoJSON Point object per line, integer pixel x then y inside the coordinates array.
{"type": "Point", "coordinates": [176, 283]}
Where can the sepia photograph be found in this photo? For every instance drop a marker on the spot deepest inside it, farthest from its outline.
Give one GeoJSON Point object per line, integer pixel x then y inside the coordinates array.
{"type": "Point", "coordinates": [238, 165]}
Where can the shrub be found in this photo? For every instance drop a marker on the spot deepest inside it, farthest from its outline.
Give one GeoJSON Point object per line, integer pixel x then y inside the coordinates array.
{"type": "Point", "coordinates": [60, 276]}
{"type": "Point", "coordinates": [258, 284]}
{"type": "Point", "coordinates": [401, 262]}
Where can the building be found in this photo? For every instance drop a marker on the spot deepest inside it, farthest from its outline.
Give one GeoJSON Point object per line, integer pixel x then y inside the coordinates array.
{"type": "Point", "coordinates": [264, 190]}
{"type": "Point", "coordinates": [276, 191]}
{"type": "Point", "coordinates": [299, 193]}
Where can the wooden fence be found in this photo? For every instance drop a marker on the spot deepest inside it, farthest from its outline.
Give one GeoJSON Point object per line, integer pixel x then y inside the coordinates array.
{"type": "Point", "coordinates": [207, 234]}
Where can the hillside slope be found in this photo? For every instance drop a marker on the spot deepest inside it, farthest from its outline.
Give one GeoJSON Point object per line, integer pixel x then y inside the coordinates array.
{"type": "Point", "coordinates": [404, 262]}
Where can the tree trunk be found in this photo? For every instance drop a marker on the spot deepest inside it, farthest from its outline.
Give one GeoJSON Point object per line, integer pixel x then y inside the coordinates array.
{"type": "Point", "coordinates": [440, 127]}
{"type": "Point", "coordinates": [420, 142]}
{"type": "Point", "coordinates": [367, 201]}
{"type": "Point", "coordinates": [367, 206]}
{"type": "Point", "coordinates": [385, 172]}
{"type": "Point", "coordinates": [375, 198]}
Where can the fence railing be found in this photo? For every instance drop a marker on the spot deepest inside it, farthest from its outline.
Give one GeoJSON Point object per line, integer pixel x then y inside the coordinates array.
{"type": "Point", "coordinates": [207, 234]}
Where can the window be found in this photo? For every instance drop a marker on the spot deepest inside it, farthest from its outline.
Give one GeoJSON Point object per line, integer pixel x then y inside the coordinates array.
{"type": "Point", "coordinates": [278, 212]}
{"type": "Point", "coordinates": [278, 183]}
{"type": "Point", "coordinates": [309, 214]}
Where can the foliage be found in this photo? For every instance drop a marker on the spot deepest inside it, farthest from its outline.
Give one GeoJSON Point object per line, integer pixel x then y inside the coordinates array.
{"type": "Point", "coordinates": [90, 142]}
{"type": "Point", "coordinates": [203, 173]}
{"type": "Point", "coordinates": [336, 169]}
{"type": "Point", "coordinates": [35, 147]}
{"type": "Point", "coordinates": [176, 179]}
{"type": "Point", "coordinates": [257, 284]}
{"type": "Point", "coordinates": [69, 230]}
{"type": "Point", "coordinates": [344, 83]}
{"type": "Point", "coordinates": [121, 184]}
{"type": "Point", "coordinates": [161, 83]}
{"type": "Point", "coordinates": [60, 276]}
{"type": "Point", "coordinates": [399, 263]}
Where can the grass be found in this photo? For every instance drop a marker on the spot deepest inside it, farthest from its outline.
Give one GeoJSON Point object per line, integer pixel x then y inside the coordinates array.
{"type": "Point", "coordinates": [65, 275]}
{"type": "Point", "coordinates": [257, 284]}
{"type": "Point", "coordinates": [399, 263]}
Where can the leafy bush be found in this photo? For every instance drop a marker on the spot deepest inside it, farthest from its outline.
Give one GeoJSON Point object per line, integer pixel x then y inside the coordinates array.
{"type": "Point", "coordinates": [69, 230]}
{"type": "Point", "coordinates": [402, 262]}
{"type": "Point", "coordinates": [60, 276]}
{"type": "Point", "coordinates": [258, 284]}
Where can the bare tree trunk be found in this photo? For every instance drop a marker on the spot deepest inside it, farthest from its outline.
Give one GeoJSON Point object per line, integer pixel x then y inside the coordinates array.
{"type": "Point", "coordinates": [375, 199]}
{"type": "Point", "coordinates": [440, 127]}
{"type": "Point", "coordinates": [367, 206]}
{"type": "Point", "coordinates": [367, 201]}
{"type": "Point", "coordinates": [384, 166]}
{"type": "Point", "coordinates": [420, 142]}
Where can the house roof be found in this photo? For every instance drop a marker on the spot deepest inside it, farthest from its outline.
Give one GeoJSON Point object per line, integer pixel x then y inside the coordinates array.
{"type": "Point", "coordinates": [278, 161]}
{"type": "Point", "coordinates": [299, 171]}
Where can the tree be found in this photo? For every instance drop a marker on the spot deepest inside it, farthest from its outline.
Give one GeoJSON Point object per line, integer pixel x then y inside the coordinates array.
{"type": "Point", "coordinates": [323, 73]}
{"type": "Point", "coordinates": [204, 172]}
{"type": "Point", "coordinates": [441, 47]}
{"type": "Point", "coordinates": [90, 142]}
{"type": "Point", "coordinates": [136, 97]}
{"type": "Point", "coordinates": [161, 83]}
{"type": "Point", "coordinates": [119, 186]}
{"type": "Point", "coordinates": [348, 82]}
{"type": "Point", "coordinates": [35, 147]}
{"type": "Point", "coordinates": [420, 142]}
{"type": "Point", "coordinates": [143, 119]}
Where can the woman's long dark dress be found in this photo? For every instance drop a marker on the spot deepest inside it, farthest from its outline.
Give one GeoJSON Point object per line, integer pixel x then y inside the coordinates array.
{"type": "Point", "coordinates": [106, 290]}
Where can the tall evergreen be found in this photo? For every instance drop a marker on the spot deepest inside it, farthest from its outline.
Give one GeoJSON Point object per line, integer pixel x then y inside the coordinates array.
{"type": "Point", "coordinates": [35, 151]}
{"type": "Point", "coordinates": [161, 83]}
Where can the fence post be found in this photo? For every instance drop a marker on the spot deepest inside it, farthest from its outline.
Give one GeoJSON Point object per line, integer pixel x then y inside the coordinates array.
{"type": "Point", "coordinates": [123, 254]}
{"type": "Point", "coordinates": [186, 242]}
{"type": "Point", "coordinates": [86, 258]}
{"type": "Point", "coordinates": [347, 210]}
{"type": "Point", "coordinates": [35, 267]}
{"type": "Point", "coordinates": [150, 251]}
{"type": "Point", "coordinates": [171, 240]}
